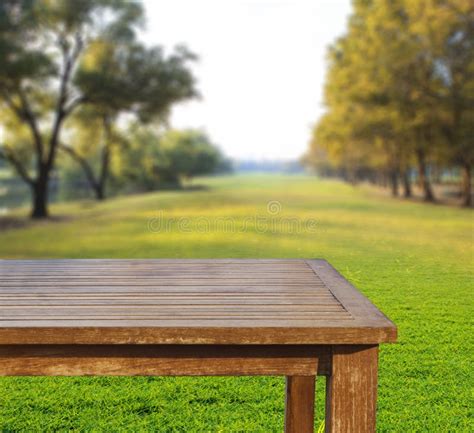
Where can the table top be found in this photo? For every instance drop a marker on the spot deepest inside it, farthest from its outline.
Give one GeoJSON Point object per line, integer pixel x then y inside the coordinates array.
{"type": "Point", "coordinates": [221, 301]}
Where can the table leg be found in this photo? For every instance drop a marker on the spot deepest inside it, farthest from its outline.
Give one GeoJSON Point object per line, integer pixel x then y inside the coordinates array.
{"type": "Point", "coordinates": [299, 408]}
{"type": "Point", "coordinates": [351, 392]}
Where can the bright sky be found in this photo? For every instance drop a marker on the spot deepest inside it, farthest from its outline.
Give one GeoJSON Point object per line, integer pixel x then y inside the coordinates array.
{"type": "Point", "coordinates": [261, 69]}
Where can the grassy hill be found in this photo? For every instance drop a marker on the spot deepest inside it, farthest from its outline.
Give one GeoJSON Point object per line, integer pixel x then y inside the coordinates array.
{"type": "Point", "coordinates": [414, 261]}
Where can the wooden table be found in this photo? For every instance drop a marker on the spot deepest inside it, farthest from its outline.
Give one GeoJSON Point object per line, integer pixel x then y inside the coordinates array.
{"type": "Point", "coordinates": [296, 318]}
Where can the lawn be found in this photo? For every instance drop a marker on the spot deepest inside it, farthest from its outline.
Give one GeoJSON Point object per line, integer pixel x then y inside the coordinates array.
{"type": "Point", "coordinates": [414, 261]}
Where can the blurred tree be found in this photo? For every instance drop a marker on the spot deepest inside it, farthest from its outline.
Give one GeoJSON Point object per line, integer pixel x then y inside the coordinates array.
{"type": "Point", "coordinates": [125, 79]}
{"type": "Point", "coordinates": [137, 166]}
{"type": "Point", "coordinates": [400, 89]}
{"type": "Point", "coordinates": [91, 138]}
{"type": "Point", "coordinates": [41, 44]}
{"type": "Point", "coordinates": [454, 33]}
{"type": "Point", "coordinates": [161, 160]}
{"type": "Point", "coordinates": [187, 154]}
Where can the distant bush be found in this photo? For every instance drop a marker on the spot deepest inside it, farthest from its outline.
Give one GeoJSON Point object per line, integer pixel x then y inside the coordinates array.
{"type": "Point", "coordinates": [150, 160]}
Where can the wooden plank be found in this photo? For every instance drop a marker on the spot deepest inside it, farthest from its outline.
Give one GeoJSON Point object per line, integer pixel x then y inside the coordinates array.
{"type": "Point", "coordinates": [170, 300]}
{"type": "Point", "coordinates": [182, 276]}
{"type": "Point", "coordinates": [147, 262]}
{"type": "Point", "coordinates": [149, 360]}
{"type": "Point", "coordinates": [167, 290]}
{"type": "Point", "coordinates": [157, 270]}
{"type": "Point", "coordinates": [151, 310]}
{"type": "Point", "coordinates": [180, 332]}
{"type": "Point", "coordinates": [154, 283]}
{"type": "Point", "coordinates": [192, 301]}
{"type": "Point", "coordinates": [364, 312]}
{"type": "Point", "coordinates": [352, 390]}
{"type": "Point", "coordinates": [157, 320]}
{"type": "Point", "coordinates": [299, 405]}
{"type": "Point", "coordinates": [172, 261]}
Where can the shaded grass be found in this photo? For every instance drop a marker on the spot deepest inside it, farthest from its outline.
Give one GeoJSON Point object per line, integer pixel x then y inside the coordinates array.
{"type": "Point", "coordinates": [414, 261]}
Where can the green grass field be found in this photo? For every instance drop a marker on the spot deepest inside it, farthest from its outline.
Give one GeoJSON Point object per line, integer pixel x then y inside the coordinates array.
{"type": "Point", "coordinates": [414, 261]}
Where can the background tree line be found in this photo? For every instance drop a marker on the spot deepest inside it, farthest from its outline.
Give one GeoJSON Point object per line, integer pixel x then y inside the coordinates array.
{"type": "Point", "coordinates": [76, 81]}
{"type": "Point", "coordinates": [139, 158]}
{"type": "Point", "coordinates": [399, 96]}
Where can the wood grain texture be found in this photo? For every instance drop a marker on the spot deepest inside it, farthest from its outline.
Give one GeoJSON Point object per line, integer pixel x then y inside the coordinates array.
{"type": "Point", "coordinates": [162, 360]}
{"type": "Point", "coordinates": [299, 405]}
{"type": "Point", "coordinates": [202, 332]}
{"type": "Point", "coordinates": [361, 309]}
{"type": "Point", "coordinates": [226, 301]}
{"type": "Point", "coordinates": [351, 393]}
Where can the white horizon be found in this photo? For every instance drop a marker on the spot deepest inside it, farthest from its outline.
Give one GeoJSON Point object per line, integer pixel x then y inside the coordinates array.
{"type": "Point", "coordinates": [261, 68]}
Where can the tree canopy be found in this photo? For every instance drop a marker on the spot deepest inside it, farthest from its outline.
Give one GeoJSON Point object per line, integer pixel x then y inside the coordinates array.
{"type": "Point", "coordinates": [61, 58]}
{"type": "Point", "coordinates": [154, 159]}
{"type": "Point", "coordinates": [400, 93]}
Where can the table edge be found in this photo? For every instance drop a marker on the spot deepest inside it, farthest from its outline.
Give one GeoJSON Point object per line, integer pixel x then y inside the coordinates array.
{"type": "Point", "coordinates": [361, 330]}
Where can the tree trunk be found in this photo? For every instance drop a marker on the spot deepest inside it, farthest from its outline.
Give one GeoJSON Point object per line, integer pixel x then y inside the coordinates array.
{"type": "Point", "coordinates": [423, 177]}
{"type": "Point", "coordinates": [466, 185]}
{"type": "Point", "coordinates": [99, 191]}
{"type": "Point", "coordinates": [406, 184]}
{"type": "Point", "coordinates": [97, 183]}
{"type": "Point", "coordinates": [104, 173]}
{"type": "Point", "coordinates": [380, 178]}
{"type": "Point", "coordinates": [105, 160]}
{"type": "Point", "coordinates": [39, 192]}
{"type": "Point", "coordinates": [394, 182]}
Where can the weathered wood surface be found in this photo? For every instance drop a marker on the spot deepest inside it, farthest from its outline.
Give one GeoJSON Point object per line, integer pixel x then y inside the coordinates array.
{"type": "Point", "coordinates": [163, 360]}
{"type": "Point", "coordinates": [184, 302]}
{"type": "Point", "coordinates": [351, 393]}
{"type": "Point", "coordinates": [299, 405]}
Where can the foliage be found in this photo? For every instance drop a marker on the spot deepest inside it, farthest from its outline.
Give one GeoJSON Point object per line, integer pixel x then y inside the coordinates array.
{"type": "Point", "coordinates": [188, 153]}
{"type": "Point", "coordinates": [161, 159]}
{"type": "Point", "coordinates": [400, 92]}
{"type": "Point", "coordinates": [41, 44]}
{"type": "Point", "coordinates": [124, 78]}
{"type": "Point", "coordinates": [59, 58]}
{"type": "Point", "coordinates": [414, 261]}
